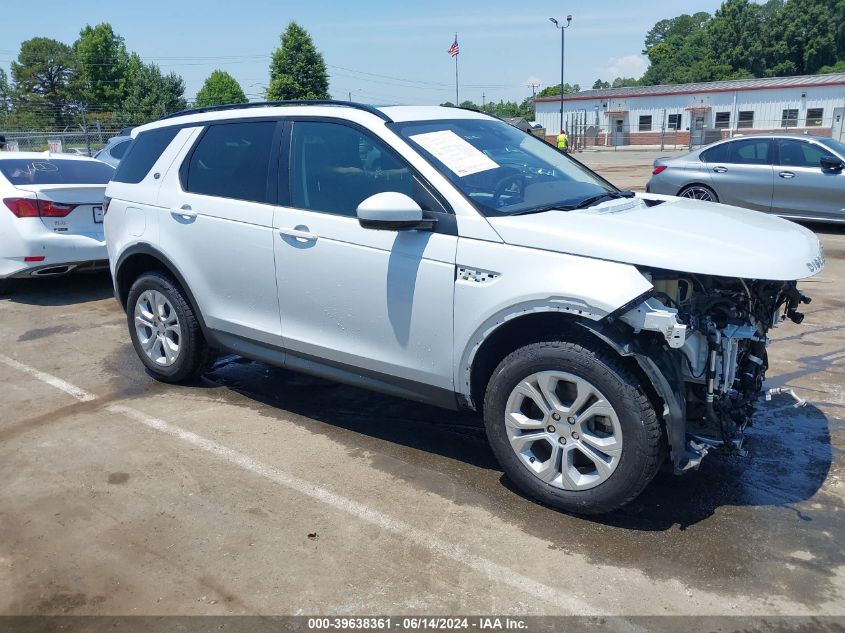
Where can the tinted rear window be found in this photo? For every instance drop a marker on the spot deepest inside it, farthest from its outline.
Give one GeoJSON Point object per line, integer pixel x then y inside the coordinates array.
{"type": "Point", "coordinates": [52, 171]}
{"type": "Point", "coordinates": [232, 161]}
{"type": "Point", "coordinates": [143, 153]}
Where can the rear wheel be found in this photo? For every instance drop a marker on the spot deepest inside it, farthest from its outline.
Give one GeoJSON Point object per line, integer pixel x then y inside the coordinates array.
{"type": "Point", "coordinates": [165, 330]}
{"type": "Point", "coordinates": [6, 286]}
{"type": "Point", "coordinates": [699, 192]}
{"type": "Point", "coordinates": [570, 426]}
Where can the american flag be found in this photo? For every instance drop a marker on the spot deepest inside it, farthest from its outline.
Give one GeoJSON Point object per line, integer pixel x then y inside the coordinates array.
{"type": "Point", "coordinates": [453, 49]}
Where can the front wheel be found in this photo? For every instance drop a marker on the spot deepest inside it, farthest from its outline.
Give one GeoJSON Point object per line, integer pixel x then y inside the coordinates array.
{"type": "Point", "coordinates": [165, 330]}
{"type": "Point", "coordinates": [571, 427]}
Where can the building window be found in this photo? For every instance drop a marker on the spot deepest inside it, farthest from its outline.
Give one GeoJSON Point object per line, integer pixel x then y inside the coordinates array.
{"type": "Point", "coordinates": [789, 118]}
{"type": "Point", "coordinates": [675, 121]}
{"type": "Point", "coordinates": [645, 124]}
{"type": "Point", "coordinates": [723, 120]}
{"type": "Point", "coordinates": [745, 118]}
{"type": "Point", "coordinates": [814, 117]}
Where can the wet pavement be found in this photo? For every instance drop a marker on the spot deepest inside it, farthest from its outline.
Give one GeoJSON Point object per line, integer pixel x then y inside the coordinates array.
{"type": "Point", "coordinates": [102, 514]}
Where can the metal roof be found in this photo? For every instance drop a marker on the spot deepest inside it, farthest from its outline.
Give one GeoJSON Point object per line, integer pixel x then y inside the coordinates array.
{"type": "Point", "coordinates": [832, 79]}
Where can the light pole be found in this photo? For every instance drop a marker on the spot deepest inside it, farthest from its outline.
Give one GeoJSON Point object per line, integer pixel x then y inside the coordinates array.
{"type": "Point", "coordinates": [562, 29]}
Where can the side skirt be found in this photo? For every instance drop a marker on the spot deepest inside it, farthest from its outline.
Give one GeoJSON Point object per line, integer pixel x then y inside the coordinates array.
{"type": "Point", "coordinates": [339, 372]}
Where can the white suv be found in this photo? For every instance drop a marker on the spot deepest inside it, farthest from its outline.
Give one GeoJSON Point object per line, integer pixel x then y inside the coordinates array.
{"type": "Point", "coordinates": [444, 256]}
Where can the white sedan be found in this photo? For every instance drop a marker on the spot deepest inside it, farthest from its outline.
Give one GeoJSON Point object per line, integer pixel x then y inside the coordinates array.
{"type": "Point", "coordinates": [51, 217]}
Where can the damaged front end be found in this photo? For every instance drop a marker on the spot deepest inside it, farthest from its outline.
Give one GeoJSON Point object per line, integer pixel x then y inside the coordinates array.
{"type": "Point", "coordinates": [702, 342]}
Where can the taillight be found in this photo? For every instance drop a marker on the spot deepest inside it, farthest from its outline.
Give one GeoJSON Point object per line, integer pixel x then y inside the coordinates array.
{"type": "Point", "coordinates": [658, 169]}
{"type": "Point", "coordinates": [29, 208]}
{"type": "Point", "coordinates": [22, 207]}
{"type": "Point", "coordinates": [50, 209]}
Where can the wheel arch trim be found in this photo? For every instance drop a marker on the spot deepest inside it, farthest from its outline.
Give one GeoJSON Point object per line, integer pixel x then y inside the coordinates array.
{"type": "Point", "coordinates": [142, 248]}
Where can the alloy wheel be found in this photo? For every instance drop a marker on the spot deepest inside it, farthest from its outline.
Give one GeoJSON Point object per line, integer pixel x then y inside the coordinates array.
{"type": "Point", "coordinates": [157, 327]}
{"type": "Point", "coordinates": [563, 430]}
{"type": "Point", "coordinates": [698, 193]}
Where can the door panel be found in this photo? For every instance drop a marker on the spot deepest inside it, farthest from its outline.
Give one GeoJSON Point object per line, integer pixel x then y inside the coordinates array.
{"type": "Point", "coordinates": [802, 188]}
{"type": "Point", "coordinates": [741, 173]}
{"type": "Point", "coordinates": [381, 301]}
{"type": "Point", "coordinates": [224, 246]}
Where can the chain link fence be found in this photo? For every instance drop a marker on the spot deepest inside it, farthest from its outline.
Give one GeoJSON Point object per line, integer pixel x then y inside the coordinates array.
{"type": "Point", "coordinates": [86, 141]}
{"type": "Point", "coordinates": [620, 133]}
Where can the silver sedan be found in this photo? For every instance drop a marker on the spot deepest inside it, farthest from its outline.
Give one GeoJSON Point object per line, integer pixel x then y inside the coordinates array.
{"type": "Point", "coordinates": [799, 177]}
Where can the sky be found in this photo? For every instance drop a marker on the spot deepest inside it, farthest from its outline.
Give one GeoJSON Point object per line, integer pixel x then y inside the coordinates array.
{"type": "Point", "coordinates": [381, 51]}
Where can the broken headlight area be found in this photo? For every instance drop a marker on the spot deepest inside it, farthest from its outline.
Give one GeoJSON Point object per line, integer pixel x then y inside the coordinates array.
{"type": "Point", "coordinates": [714, 332]}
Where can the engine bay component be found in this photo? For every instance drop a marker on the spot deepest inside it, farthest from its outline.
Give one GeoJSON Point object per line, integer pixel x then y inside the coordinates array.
{"type": "Point", "coordinates": [721, 325]}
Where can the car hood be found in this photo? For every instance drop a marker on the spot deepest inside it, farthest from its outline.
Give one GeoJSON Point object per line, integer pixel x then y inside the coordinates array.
{"type": "Point", "coordinates": [674, 234]}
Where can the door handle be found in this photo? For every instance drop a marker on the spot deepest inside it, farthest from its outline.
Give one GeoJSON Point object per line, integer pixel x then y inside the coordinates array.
{"type": "Point", "coordinates": [787, 174]}
{"type": "Point", "coordinates": [720, 170]}
{"type": "Point", "coordinates": [185, 212]}
{"type": "Point", "coordinates": [299, 232]}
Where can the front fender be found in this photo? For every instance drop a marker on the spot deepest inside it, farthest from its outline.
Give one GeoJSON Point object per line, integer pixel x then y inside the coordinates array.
{"type": "Point", "coordinates": [496, 283]}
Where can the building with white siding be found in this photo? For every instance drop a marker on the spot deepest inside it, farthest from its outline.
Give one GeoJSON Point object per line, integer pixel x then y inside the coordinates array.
{"type": "Point", "coordinates": [693, 114]}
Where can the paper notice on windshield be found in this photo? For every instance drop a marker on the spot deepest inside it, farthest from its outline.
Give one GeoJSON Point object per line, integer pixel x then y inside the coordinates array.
{"type": "Point", "coordinates": [454, 152]}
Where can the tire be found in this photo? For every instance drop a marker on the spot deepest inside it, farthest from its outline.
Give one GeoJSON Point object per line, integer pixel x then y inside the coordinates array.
{"type": "Point", "coordinates": [699, 192]}
{"type": "Point", "coordinates": [7, 287]}
{"type": "Point", "coordinates": [155, 294]}
{"type": "Point", "coordinates": [576, 476]}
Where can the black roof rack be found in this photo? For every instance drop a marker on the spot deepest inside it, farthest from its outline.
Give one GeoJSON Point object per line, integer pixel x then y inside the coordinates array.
{"type": "Point", "coordinates": [293, 102]}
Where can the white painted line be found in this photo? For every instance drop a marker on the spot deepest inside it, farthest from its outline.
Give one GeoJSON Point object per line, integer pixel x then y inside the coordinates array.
{"type": "Point", "coordinates": [58, 383]}
{"type": "Point", "coordinates": [487, 568]}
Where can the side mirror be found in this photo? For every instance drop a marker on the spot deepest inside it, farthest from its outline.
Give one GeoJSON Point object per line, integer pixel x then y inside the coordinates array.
{"type": "Point", "coordinates": [832, 164]}
{"type": "Point", "coordinates": [392, 211]}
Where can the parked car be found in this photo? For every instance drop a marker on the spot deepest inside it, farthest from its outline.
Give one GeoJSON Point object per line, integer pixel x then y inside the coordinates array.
{"type": "Point", "coordinates": [797, 177]}
{"type": "Point", "coordinates": [52, 214]}
{"type": "Point", "coordinates": [600, 333]}
{"type": "Point", "coordinates": [114, 150]}
{"type": "Point", "coordinates": [77, 151]}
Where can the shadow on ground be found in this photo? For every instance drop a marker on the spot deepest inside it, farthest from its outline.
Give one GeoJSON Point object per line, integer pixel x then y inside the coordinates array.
{"type": "Point", "coordinates": [61, 291]}
{"type": "Point", "coordinates": [790, 449]}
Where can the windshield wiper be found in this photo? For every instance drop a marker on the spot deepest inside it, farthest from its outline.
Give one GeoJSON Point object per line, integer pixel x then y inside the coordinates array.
{"type": "Point", "coordinates": [609, 195]}
{"type": "Point", "coordinates": [586, 202]}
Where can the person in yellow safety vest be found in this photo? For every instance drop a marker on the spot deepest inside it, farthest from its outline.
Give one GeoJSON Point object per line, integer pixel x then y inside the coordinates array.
{"type": "Point", "coordinates": [562, 141]}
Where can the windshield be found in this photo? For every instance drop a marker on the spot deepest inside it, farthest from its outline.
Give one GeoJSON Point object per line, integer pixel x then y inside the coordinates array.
{"type": "Point", "coordinates": [503, 170]}
{"type": "Point", "coordinates": [836, 146]}
{"type": "Point", "coordinates": [52, 171]}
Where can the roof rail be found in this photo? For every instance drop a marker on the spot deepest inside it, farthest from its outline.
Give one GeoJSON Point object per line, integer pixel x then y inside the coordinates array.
{"type": "Point", "coordinates": [291, 102]}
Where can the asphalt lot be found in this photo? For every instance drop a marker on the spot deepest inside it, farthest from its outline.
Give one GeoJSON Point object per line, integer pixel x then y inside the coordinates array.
{"type": "Point", "coordinates": [264, 492]}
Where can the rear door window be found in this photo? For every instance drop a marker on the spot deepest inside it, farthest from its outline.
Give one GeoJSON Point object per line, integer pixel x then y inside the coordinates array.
{"type": "Point", "coordinates": [232, 160]}
{"type": "Point", "coordinates": [51, 171]}
{"type": "Point", "coordinates": [142, 154]}
{"type": "Point", "coordinates": [751, 152]}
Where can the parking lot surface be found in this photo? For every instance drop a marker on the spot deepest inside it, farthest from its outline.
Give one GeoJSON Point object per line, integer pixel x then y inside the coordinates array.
{"type": "Point", "coordinates": [260, 491]}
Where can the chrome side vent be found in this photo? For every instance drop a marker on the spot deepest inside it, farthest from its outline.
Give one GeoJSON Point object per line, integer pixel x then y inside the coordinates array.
{"type": "Point", "coordinates": [478, 276]}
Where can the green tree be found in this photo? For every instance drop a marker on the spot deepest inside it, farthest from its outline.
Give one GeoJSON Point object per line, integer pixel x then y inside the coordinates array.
{"type": "Point", "coordinates": [150, 94]}
{"type": "Point", "coordinates": [624, 82]}
{"type": "Point", "coordinates": [297, 70]}
{"type": "Point", "coordinates": [220, 89]}
{"type": "Point", "coordinates": [101, 63]}
{"type": "Point", "coordinates": [598, 84]}
{"type": "Point", "coordinates": [5, 92]}
{"type": "Point", "coordinates": [808, 36]}
{"type": "Point", "coordinates": [42, 75]}
{"type": "Point", "coordinates": [553, 91]}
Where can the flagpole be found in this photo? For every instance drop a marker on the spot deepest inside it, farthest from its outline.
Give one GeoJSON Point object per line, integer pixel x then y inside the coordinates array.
{"type": "Point", "coordinates": [457, 100]}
